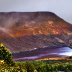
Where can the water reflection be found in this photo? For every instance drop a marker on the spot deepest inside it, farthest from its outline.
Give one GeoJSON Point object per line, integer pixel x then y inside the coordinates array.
{"type": "Point", "coordinates": [66, 51]}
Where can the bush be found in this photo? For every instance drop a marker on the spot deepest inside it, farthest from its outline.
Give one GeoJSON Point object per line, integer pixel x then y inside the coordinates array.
{"type": "Point", "coordinates": [6, 55]}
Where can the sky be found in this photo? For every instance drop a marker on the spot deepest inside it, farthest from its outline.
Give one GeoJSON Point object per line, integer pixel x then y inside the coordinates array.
{"type": "Point", "coordinates": [62, 8]}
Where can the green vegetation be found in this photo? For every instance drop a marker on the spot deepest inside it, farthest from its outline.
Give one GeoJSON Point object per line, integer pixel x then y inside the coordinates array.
{"type": "Point", "coordinates": [7, 64]}
{"type": "Point", "coordinates": [5, 55]}
{"type": "Point", "coordinates": [38, 66]}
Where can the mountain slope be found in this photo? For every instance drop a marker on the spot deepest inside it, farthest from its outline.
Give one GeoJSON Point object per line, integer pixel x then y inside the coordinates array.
{"type": "Point", "coordinates": [23, 31]}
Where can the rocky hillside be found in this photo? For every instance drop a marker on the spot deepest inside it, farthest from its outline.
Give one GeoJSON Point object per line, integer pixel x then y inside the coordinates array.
{"type": "Point", "coordinates": [22, 31]}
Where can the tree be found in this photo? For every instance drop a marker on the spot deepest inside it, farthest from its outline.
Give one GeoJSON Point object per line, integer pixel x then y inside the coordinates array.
{"type": "Point", "coordinates": [6, 55]}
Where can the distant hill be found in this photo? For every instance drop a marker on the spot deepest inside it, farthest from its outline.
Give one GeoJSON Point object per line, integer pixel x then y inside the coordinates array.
{"type": "Point", "coordinates": [24, 31]}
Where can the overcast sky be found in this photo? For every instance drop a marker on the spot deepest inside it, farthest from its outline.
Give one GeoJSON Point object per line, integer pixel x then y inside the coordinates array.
{"type": "Point", "coordinates": [62, 8]}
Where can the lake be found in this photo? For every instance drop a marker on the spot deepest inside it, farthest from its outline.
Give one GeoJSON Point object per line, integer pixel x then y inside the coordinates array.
{"type": "Point", "coordinates": [64, 51]}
